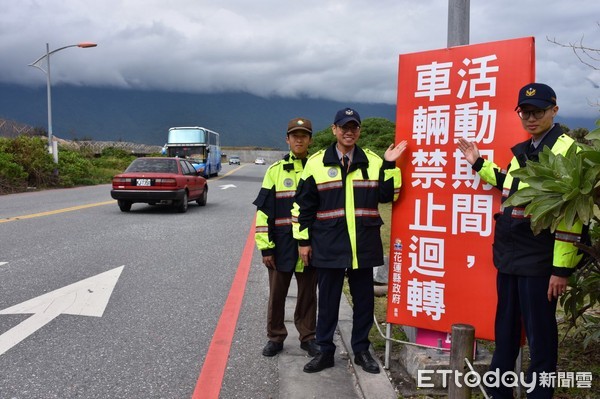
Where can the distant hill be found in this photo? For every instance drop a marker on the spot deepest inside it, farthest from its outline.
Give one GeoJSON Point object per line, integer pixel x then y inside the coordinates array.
{"type": "Point", "coordinates": [107, 114]}
{"type": "Point", "coordinates": [145, 116]}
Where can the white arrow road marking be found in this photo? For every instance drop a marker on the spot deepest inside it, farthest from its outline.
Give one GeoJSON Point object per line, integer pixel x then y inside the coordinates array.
{"type": "Point", "coordinates": [226, 186]}
{"type": "Point", "coordinates": [3, 263]}
{"type": "Point", "coordinates": [87, 297]}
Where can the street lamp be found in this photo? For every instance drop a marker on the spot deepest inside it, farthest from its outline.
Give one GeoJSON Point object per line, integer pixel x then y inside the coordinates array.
{"type": "Point", "coordinates": [51, 149]}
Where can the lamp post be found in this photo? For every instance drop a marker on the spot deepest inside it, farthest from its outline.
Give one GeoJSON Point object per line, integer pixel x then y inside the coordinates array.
{"type": "Point", "coordinates": [51, 149]}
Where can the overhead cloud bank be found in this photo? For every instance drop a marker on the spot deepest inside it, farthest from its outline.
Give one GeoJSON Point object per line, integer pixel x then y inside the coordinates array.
{"type": "Point", "coordinates": [344, 50]}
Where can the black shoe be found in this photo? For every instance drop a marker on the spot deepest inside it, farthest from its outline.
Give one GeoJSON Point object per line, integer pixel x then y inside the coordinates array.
{"type": "Point", "coordinates": [311, 347]}
{"type": "Point", "coordinates": [320, 362]}
{"type": "Point", "coordinates": [272, 348]}
{"type": "Point", "coordinates": [367, 362]}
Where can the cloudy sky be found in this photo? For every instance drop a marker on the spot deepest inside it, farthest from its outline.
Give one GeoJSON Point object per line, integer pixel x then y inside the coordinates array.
{"type": "Point", "coordinates": [345, 50]}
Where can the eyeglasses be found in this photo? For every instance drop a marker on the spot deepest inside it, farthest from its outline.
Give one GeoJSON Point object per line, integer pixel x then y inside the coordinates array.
{"type": "Point", "coordinates": [537, 113]}
{"type": "Point", "coordinates": [349, 128]}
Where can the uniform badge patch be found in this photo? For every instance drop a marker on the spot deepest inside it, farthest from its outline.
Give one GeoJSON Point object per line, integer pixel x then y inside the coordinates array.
{"type": "Point", "coordinates": [288, 182]}
{"type": "Point", "coordinates": [332, 172]}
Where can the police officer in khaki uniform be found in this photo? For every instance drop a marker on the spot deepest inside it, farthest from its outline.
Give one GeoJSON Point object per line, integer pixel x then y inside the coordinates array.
{"type": "Point", "coordinates": [279, 249]}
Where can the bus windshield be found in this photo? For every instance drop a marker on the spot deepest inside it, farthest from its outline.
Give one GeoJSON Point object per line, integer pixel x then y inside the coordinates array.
{"type": "Point", "coordinates": [187, 136]}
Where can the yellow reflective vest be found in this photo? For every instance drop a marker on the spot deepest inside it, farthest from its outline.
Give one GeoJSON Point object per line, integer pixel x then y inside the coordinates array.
{"type": "Point", "coordinates": [516, 249]}
{"type": "Point", "coordinates": [336, 211]}
{"type": "Point", "coordinates": [273, 234]}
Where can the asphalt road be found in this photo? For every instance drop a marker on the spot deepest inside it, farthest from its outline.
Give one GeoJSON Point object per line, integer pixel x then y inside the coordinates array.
{"type": "Point", "coordinates": [170, 275]}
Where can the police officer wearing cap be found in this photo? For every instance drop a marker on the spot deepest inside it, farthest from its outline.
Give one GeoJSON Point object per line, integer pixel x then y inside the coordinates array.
{"type": "Point", "coordinates": [532, 269]}
{"type": "Point", "coordinates": [279, 250]}
{"type": "Point", "coordinates": [337, 224]}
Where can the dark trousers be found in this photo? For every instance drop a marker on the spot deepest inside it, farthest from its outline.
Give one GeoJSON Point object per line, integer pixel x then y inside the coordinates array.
{"type": "Point", "coordinates": [306, 304]}
{"type": "Point", "coordinates": [523, 302]}
{"type": "Point", "coordinates": [331, 282]}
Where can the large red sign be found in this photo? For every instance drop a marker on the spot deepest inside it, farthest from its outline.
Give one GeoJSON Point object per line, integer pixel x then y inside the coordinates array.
{"type": "Point", "coordinates": [441, 270]}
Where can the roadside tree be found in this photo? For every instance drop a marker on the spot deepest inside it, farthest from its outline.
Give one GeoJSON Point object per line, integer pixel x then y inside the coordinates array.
{"type": "Point", "coordinates": [376, 134]}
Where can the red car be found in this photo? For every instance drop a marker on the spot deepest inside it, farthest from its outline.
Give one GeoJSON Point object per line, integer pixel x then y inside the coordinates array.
{"type": "Point", "coordinates": [159, 180]}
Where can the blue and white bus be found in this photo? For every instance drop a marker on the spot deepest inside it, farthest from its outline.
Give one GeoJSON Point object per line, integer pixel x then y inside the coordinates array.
{"type": "Point", "coordinates": [198, 144]}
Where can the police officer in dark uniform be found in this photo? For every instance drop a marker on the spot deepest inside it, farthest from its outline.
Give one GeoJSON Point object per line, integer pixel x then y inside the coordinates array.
{"type": "Point", "coordinates": [532, 269]}
{"type": "Point", "coordinates": [337, 223]}
{"type": "Point", "coordinates": [279, 249]}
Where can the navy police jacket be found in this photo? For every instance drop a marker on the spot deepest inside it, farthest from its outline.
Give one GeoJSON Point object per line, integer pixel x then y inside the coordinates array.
{"type": "Point", "coordinates": [516, 249]}
{"type": "Point", "coordinates": [336, 211]}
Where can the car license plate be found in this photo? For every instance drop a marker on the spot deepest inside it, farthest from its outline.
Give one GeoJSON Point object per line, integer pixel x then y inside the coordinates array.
{"type": "Point", "coordinates": [143, 182]}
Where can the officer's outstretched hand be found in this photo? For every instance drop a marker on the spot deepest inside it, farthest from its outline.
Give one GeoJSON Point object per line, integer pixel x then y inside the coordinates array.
{"type": "Point", "coordinates": [469, 150]}
{"type": "Point", "coordinates": [394, 151]}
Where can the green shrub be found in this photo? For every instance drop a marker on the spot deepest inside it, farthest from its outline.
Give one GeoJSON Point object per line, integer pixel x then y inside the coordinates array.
{"type": "Point", "coordinates": [112, 161]}
{"type": "Point", "coordinates": [112, 152]}
{"type": "Point", "coordinates": [12, 175]}
{"type": "Point", "coordinates": [31, 154]}
{"type": "Point", "coordinates": [74, 169]}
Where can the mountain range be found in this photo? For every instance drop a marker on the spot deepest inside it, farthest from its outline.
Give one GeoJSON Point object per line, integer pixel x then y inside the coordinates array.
{"type": "Point", "coordinates": [110, 114]}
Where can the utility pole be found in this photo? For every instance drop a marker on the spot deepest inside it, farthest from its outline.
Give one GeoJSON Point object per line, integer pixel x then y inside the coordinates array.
{"type": "Point", "coordinates": [463, 335]}
{"type": "Point", "coordinates": [458, 22]}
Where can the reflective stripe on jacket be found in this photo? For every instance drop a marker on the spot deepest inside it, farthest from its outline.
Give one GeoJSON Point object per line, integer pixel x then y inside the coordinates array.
{"type": "Point", "coordinates": [516, 249]}
{"type": "Point", "coordinates": [336, 211]}
{"type": "Point", "coordinates": [273, 234]}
